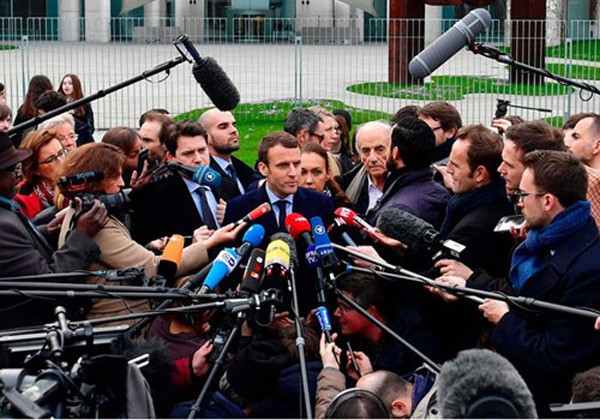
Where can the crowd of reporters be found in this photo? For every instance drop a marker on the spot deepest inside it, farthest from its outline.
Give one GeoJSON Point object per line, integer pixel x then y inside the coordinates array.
{"type": "Point", "coordinates": [420, 192]}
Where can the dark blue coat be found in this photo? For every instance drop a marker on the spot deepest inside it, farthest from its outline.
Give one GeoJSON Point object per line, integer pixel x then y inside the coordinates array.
{"type": "Point", "coordinates": [415, 192]}
{"type": "Point", "coordinates": [549, 349]}
{"type": "Point", "coordinates": [306, 202]}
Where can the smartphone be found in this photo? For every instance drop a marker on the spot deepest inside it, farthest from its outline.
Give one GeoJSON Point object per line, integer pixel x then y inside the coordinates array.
{"type": "Point", "coordinates": [142, 157]}
{"type": "Point", "coordinates": [219, 339]}
{"type": "Point", "coordinates": [504, 224]}
{"type": "Point", "coordinates": [351, 353]}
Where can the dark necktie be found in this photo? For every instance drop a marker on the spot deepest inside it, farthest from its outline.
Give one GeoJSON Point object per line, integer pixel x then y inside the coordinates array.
{"type": "Point", "coordinates": [281, 205]}
{"type": "Point", "coordinates": [231, 171]}
{"type": "Point", "coordinates": [207, 215]}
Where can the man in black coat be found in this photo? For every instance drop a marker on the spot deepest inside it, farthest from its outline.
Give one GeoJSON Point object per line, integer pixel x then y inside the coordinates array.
{"type": "Point", "coordinates": [557, 262]}
{"type": "Point", "coordinates": [27, 250]}
{"type": "Point", "coordinates": [223, 140]}
{"type": "Point", "coordinates": [176, 205]}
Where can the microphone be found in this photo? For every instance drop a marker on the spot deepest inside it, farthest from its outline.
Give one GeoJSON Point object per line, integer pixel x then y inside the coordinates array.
{"type": "Point", "coordinates": [277, 264]}
{"type": "Point", "coordinates": [289, 240]}
{"type": "Point", "coordinates": [170, 259]}
{"type": "Point", "coordinates": [324, 322]}
{"type": "Point", "coordinates": [213, 80]}
{"type": "Point", "coordinates": [223, 265]}
{"type": "Point", "coordinates": [323, 244]}
{"type": "Point", "coordinates": [350, 217]}
{"type": "Point", "coordinates": [254, 272]}
{"type": "Point", "coordinates": [252, 238]}
{"type": "Point", "coordinates": [260, 211]}
{"type": "Point", "coordinates": [479, 383]}
{"type": "Point", "coordinates": [463, 33]}
{"type": "Point", "coordinates": [299, 227]}
{"type": "Point", "coordinates": [419, 236]}
{"type": "Point", "coordinates": [202, 175]}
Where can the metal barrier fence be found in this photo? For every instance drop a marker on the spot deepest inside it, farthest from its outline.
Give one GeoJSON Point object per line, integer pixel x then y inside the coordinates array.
{"type": "Point", "coordinates": [291, 59]}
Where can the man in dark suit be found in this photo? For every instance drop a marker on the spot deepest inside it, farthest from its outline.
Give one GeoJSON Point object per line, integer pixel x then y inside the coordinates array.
{"type": "Point", "coordinates": [27, 250]}
{"type": "Point", "coordinates": [177, 205]}
{"type": "Point", "coordinates": [558, 262]}
{"type": "Point", "coordinates": [279, 162]}
{"type": "Point", "coordinates": [223, 140]}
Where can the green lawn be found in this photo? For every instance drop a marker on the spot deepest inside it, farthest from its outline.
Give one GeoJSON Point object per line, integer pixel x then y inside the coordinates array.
{"type": "Point", "coordinates": [588, 49]}
{"type": "Point", "coordinates": [574, 71]}
{"type": "Point", "coordinates": [255, 120]}
{"type": "Point", "coordinates": [451, 88]}
{"type": "Point", "coordinates": [7, 47]}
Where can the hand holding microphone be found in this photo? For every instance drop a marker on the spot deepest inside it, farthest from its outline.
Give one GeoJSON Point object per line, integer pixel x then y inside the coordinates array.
{"type": "Point", "coordinates": [260, 211]}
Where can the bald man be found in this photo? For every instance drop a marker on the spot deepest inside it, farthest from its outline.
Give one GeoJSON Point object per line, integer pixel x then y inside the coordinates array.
{"type": "Point", "coordinates": [223, 140]}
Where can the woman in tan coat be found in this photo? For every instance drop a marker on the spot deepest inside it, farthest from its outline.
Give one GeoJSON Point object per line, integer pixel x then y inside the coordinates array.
{"type": "Point", "coordinates": [117, 249]}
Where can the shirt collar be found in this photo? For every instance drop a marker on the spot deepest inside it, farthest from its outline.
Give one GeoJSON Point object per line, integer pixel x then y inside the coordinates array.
{"type": "Point", "coordinates": [273, 198]}
{"type": "Point", "coordinates": [221, 162]}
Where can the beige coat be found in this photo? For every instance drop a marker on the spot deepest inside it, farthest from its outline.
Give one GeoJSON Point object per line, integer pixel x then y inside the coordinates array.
{"type": "Point", "coordinates": [118, 251]}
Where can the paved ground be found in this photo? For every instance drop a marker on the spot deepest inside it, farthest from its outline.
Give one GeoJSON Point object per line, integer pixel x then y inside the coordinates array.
{"type": "Point", "coordinates": [261, 73]}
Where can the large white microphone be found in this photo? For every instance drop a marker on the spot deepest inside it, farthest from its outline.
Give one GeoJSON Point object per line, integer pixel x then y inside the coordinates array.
{"type": "Point", "coordinates": [463, 33]}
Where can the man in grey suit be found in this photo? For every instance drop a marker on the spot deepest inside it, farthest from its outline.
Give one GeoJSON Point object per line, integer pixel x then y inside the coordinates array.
{"type": "Point", "coordinates": [28, 250]}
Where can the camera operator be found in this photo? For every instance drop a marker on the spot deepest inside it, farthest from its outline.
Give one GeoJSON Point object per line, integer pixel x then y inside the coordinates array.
{"type": "Point", "coordinates": [117, 248]}
{"type": "Point", "coordinates": [25, 250]}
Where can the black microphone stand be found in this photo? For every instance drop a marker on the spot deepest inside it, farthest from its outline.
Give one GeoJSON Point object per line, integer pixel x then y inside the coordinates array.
{"type": "Point", "coordinates": [218, 363]}
{"type": "Point", "coordinates": [496, 54]}
{"type": "Point", "coordinates": [300, 343]}
{"type": "Point", "coordinates": [475, 295]}
{"type": "Point", "coordinates": [166, 67]}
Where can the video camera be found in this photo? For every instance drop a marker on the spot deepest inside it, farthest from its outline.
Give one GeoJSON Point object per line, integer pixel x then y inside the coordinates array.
{"type": "Point", "coordinates": [76, 186]}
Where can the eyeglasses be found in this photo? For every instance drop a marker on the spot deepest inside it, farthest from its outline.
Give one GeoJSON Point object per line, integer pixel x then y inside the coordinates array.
{"type": "Point", "coordinates": [436, 128]}
{"type": "Point", "coordinates": [321, 137]}
{"type": "Point", "coordinates": [54, 158]}
{"type": "Point", "coordinates": [519, 195]}
{"type": "Point", "coordinates": [344, 308]}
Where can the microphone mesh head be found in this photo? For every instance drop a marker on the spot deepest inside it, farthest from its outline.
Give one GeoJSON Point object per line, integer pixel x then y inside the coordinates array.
{"type": "Point", "coordinates": [287, 238]}
{"type": "Point", "coordinates": [216, 84]}
{"type": "Point", "coordinates": [405, 227]}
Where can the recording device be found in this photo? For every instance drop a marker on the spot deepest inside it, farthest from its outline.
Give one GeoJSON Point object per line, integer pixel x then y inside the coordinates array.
{"type": "Point", "coordinates": [323, 244]}
{"type": "Point", "coordinates": [143, 157]}
{"type": "Point", "coordinates": [260, 211]}
{"type": "Point", "coordinates": [507, 222]}
{"type": "Point", "coordinates": [419, 236]}
{"type": "Point", "coordinates": [223, 265]}
{"type": "Point", "coordinates": [299, 227]}
{"type": "Point", "coordinates": [353, 358]}
{"type": "Point", "coordinates": [219, 338]}
{"type": "Point", "coordinates": [462, 34]}
{"type": "Point", "coordinates": [202, 175]}
{"type": "Point", "coordinates": [211, 77]}
{"type": "Point", "coordinates": [76, 186]}
{"type": "Point", "coordinates": [324, 322]}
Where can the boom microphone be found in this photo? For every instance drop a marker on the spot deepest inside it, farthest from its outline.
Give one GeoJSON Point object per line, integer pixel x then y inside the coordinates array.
{"type": "Point", "coordinates": [260, 211]}
{"type": "Point", "coordinates": [463, 33]}
{"type": "Point", "coordinates": [419, 236]}
{"type": "Point", "coordinates": [170, 259]}
{"type": "Point", "coordinates": [213, 80]}
{"type": "Point", "coordinates": [202, 175]}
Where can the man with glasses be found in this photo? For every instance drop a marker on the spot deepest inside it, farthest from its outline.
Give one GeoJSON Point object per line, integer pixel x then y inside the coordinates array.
{"type": "Point", "coordinates": [558, 262]}
{"type": "Point", "coordinates": [305, 125]}
{"type": "Point", "coordinates": [27, 250]}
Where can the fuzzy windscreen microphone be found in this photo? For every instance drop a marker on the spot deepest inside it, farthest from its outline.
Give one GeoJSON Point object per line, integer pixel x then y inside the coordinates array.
{"type": "Point", "coordinates": [479, 383]}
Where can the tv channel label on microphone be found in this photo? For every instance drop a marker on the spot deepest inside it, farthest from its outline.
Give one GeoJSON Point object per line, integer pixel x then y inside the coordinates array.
{"type": "Point", "coordinates": [344, 212]}
{"type": "Point", "coordinates": [210, 176]}
{"type": "Point", "coordinates": [229, 258]}
{"type": "Point", "coordinates": [320, 230]}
